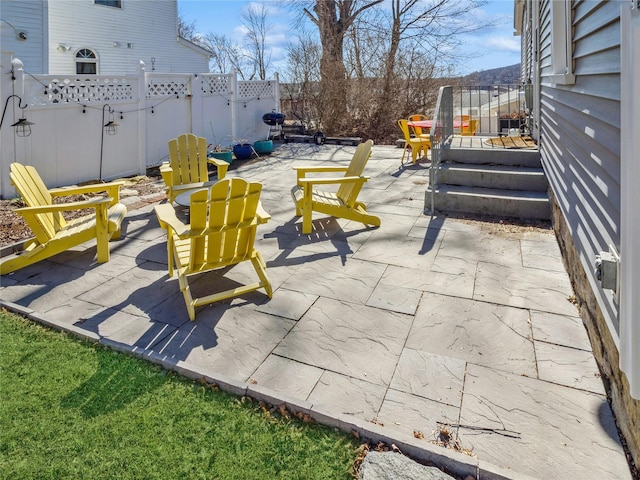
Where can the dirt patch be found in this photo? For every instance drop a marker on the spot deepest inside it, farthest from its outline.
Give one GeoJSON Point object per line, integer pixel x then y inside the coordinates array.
{"type": "Point", "coordinates": [510, 227]}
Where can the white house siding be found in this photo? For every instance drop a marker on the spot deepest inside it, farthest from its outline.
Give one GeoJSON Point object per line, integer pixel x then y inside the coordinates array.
{"type": "Point", "coordinates": [121, 37]}
{"type": "Point", "coordinates": [29, 16]}
{"type": "Point", "coordinates": [580, 135]}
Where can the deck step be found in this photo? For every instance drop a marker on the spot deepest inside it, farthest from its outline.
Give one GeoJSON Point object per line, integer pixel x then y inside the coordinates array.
{"type": "Point", "coordinates": [493, 156]}
{"type": "Point", "coordinates": [493, 176]}
{"type": "Point", "coordinates": [490, 201]}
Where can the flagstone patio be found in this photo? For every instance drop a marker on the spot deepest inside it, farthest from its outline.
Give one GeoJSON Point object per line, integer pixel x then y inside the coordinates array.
{"type": "Point", "coordinates": [391, 332]}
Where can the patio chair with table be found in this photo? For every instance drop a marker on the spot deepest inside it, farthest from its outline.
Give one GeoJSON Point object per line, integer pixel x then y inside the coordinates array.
{"type": "Point", "coordinates": [221, 233]}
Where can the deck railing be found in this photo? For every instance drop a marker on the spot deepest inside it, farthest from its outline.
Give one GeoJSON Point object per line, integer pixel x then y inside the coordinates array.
{"type": "Point", "coordinates": [441, 135]}
{"type": "Point", "coordinates": [495, 110]}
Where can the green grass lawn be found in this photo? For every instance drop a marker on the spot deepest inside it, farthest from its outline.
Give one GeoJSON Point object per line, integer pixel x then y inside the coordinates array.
{"type": "Point", "coordinates": [72, 409]}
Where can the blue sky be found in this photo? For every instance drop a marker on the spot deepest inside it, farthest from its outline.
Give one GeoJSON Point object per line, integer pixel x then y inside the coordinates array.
{"type": "Point", "coordinates": [491, 48]}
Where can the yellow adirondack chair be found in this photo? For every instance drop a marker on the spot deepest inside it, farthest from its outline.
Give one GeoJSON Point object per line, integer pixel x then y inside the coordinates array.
{"type": "Point", "coordinates": [222, 231]}
{"type": "Point", "coordinates": [53, 234]}
{"type": "Point", "coordinates": [343, 203]}
{"type": "Point", "coordinates": [187, 165]}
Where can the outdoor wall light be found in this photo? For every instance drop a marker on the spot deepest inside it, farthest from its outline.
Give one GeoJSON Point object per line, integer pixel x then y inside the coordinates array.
{"type": "Point", "coordinates": [63, 48]}
{"type": "Point", "coordinates": [111, 127]}
{"type": "Point", "coordinates": [22, 126]}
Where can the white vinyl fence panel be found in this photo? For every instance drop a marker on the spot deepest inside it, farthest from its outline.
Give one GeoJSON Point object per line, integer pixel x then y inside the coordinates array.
{"type": "Point", "coordinates": [69, 144]}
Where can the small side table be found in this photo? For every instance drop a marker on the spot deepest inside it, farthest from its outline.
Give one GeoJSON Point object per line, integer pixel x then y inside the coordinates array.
{"type": "Point", "coordinates": [184, 199]}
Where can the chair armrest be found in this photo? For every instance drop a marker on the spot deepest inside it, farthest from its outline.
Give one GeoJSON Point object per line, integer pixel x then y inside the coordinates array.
{"type": "Point", "coordinates": [328, 181]}
{"type": "Point", "coordinates": [112, 189]}
{"type": "Point", "coordinates": [326, 168]}
{"type": "Point", "coordinates": [262, 215]}
{"type": "Point", "coordinates": [61, 207]}
{"type": "Point", "coordinates": [302, 171]}
{"type": "Point", "coordinates": [167, 173]}
{"type": "Point", "coordinates": [167, 217]}
{"type": "Point", "coordinates": [75, 190]}
{"type": "Point", "coordinates": [217, 162]}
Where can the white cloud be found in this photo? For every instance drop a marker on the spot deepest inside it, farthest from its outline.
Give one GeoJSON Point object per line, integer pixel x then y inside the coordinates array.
{"type": "Point", "coordinates": [502, 43]}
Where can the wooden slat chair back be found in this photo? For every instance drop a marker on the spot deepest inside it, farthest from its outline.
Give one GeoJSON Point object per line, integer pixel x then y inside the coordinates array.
{"type": "Point", "coordinates": [53, 234]}
{"type": "Point", "coordinates": [224, 220]}
{"type": "Point", "coordinates": [344, 202]}
{"type": "Point", "coordinates": [187, 167]}
{"type": "Point", "coordinates": [417, 145]}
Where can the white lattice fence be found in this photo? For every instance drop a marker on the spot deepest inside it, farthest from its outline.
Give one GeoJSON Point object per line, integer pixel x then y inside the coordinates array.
{"type": "Point", "coordinates": [163, 85]}
{"type": "Point", "coordinates": [212, 84]}
{"type": "Point", "coordinates": [52, 90]}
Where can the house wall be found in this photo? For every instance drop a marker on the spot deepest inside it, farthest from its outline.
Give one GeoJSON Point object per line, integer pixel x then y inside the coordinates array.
{"type": "Point", "coordinates": [580, 146]}
{"type": "Point", "coordinates": [580, 136]}
{"type": "Point", "coordinates": [29, 16]}
{"type": "Point", "coordinates": [149, 26]}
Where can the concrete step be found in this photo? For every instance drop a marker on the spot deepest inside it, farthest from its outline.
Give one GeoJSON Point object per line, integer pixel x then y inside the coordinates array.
{"type": "Point", "coordinates": [493, 176]}
{"type": "Point", "coordinates": [490, 201]}
{"type": "Point", "coordinates": [493, 156]}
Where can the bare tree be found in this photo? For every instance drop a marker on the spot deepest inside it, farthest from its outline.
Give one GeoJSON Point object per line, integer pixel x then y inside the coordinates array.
{"type": "Point", "coordinates": [418, 30]}
{"type": "Point", "coordinates": [225, 55]}
{"type": "Point", "coordinates": [333, 19]}
{"type": "Point", "coordinates": [186, 30]}
{"type": "Point", "coordinates": [254, 19]}
{"type": "Point", "coordinates": [301, 92]}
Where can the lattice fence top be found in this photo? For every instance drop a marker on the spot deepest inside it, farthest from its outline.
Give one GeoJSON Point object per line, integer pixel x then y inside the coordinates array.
{"type": "Point", "coordinates": [53, 90]}
{"type": "Point", "coordinates": [256, 89]}
{"type": "Point", "coordinates": [168, 86]}
{"type": "Point", "coordinates": [215, 84]}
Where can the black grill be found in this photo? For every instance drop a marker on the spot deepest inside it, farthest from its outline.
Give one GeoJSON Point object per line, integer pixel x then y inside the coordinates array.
{"type": "Point", "coordinates": [273, 118]}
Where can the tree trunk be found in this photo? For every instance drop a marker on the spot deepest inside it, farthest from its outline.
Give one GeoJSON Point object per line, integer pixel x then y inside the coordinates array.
{"type": "Point", "coordinates": [387, 94]}
{"type": "Point", "coordinates": [333, 85]}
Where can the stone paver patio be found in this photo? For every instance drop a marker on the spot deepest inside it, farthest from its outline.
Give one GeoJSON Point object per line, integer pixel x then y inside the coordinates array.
{"type": "Point", "coordinates": [390, 332]}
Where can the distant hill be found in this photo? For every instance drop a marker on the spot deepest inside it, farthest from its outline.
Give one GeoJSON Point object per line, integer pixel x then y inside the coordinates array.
{"type": "Point", "coordinates": [501, 75]}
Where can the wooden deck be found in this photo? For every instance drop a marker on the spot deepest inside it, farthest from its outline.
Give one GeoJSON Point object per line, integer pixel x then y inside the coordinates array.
{"type": "Point", "coordinates": [484, 142]}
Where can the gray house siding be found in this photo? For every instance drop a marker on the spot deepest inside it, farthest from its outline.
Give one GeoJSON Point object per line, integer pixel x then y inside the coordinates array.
{"type": "Point", "coordinates": [576, 68]}
{"type": "Point", "coordinates": [580, 135]}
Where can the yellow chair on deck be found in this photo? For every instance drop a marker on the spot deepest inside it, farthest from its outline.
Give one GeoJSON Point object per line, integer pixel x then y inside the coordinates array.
{"type": "Point", "coordinates": [470, 129]}
{"type": "Point", "coordinates": [415, 144]}
{"type": "Point", "coordinates": [420, 132]}
{"type": "Point", "coordinates": [343, 203]}
{"type": "Point", "coordinates": [222, 231]}
{"type": "Point", "coordinates": [54, 234]}
{"type": "Point", "coordinates": [461, 119]}
{"type": "Point", "coordinates": [187, 166]}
